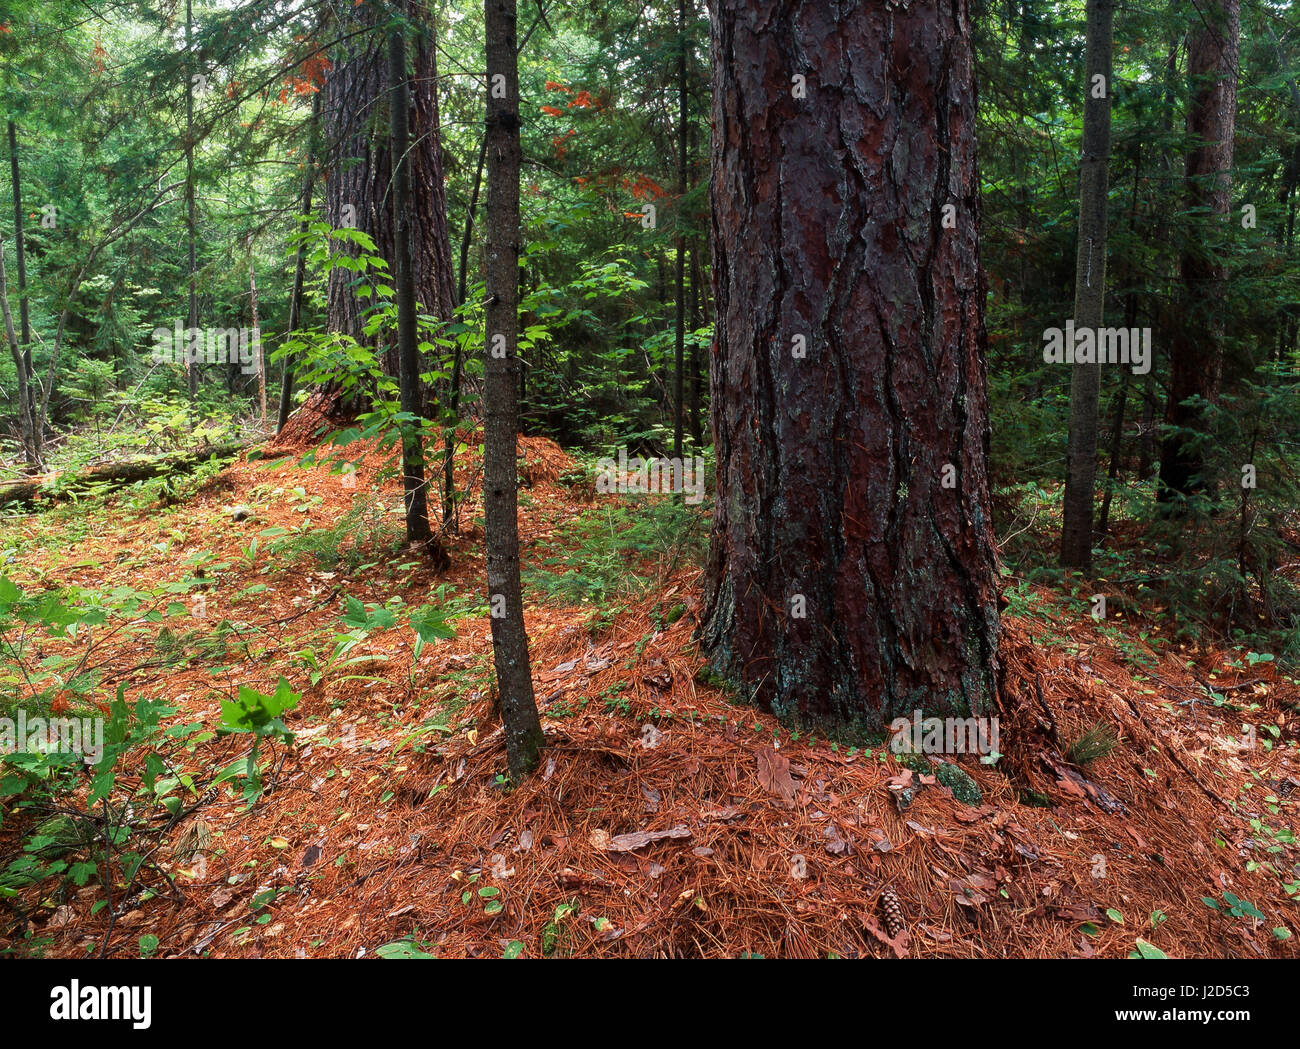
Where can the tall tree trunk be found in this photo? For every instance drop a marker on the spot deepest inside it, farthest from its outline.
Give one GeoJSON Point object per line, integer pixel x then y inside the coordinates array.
{"type": "Point", "coordinates": [299, 275]}
{"type": "Point", "coordinates": [295, 307]}
{"type": "Point", "coordinates": [697, 423]}
{"type": "Point", "coordinates": [1197, 356]}
{"type": "Point", "coordinates": [1028, 279]}
{"type": "Point", "coordinates": [30, 452]}
{"type": "Point", "coordinates": [1130, 322]}
{"type": "Point", "coordinates": [523, 730]}
{"type": "Point", "coordinates": [1089, 288]}
{"type": "Point", "coordinates": [27, 399]}
{"type": "Point", "coordinates": [191, 231]}
{"type": "Point", "coordinates": [357, 163]}
{"type": "Point", "coordinates": [450, 519]}
{"type": "Point", "coordinates": [679, 369]}
{"type": "Point", "coordinates": [1166, 264]}
{"type": "Point", "coordinates": [261, 357]}
{"type": "Point", "coordinates": [851, 575]}
{"type": "Point", "coordinates": [408, 350]}
{"type": "Point", "coordinates": [1286, 329]}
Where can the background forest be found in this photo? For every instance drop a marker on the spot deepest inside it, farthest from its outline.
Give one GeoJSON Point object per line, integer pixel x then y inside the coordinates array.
{"type": "Point", "coordinates": [153, 172]}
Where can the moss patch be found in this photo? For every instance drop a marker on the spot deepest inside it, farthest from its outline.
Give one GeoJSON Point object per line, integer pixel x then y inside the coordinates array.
{"type": "Point", "coordinates": [963, 787]}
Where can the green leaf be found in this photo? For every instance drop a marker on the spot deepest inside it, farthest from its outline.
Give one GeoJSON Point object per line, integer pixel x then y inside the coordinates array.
{"type": "Point", "coordinates": [1147, 950]}
{"type": "Point", "coordinates": [401, 949]}
{"type": "Point", "coordinates": [430, 625]}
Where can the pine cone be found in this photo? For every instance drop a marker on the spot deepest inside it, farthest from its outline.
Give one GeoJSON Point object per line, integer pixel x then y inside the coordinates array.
{"type": "Point", "coordinates": [892, 911]}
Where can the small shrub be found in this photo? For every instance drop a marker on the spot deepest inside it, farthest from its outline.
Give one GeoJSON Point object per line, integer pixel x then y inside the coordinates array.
{"type": "Point", "coordinates": [1095, 743]}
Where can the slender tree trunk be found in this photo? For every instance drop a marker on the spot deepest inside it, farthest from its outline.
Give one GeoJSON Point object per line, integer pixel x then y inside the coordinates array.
{"type": "Point", "coordinates": [467, 238]}
{"type": "Point", "coordinates": [299, 273]}
{"type": "Point", "coordinates": [697, 423]}
{"type": "Point", "coordinates": [27, 405]}
{"type": "Point", "coordinates": [703, 319]}
{"type": "Point", "coordinates": [1291, 180]}
{"type": "Point", "coordinates": [191, 357]}
{"type": "Point", "coordinates": [1130, 322]}
{"type": "Point", "coordinates": [523, 730]}
{"type": "Point", "coordinates": [1197, 357]}
{"type": "Point", "coordinates": [1089, 289]}
{"type": "Point", "coordinates": [261, 357]}
{"type": "Point", "coordinates": [1162, 316]}
{"type": "Point", "coordinates": [1021, 155]}
{"type": "Point", "coordinates": [450, 518]}
{"type": "Point", "coordinates": [295, 315]}
{"type": "Point", "coordinates": [679, 368]}
{"type": "Point", "coordinates": [851, 575]}
{"type": "Point", "coordinates": [1291, 317]}
{"type": "Point", "coordinates": [15, 350]}
{"type": "Point", "coordinates": [408, 351]}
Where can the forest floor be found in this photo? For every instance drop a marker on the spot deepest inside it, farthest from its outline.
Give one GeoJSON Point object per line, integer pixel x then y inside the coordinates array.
{"type": "Point", "coordinates": [666, 820]}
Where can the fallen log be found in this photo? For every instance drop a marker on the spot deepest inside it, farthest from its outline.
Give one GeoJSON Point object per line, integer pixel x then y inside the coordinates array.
{"type": "Point", "coordinates": [29, 491]}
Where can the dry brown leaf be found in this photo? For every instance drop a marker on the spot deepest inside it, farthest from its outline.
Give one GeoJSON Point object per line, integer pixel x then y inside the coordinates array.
{"type": "Point", "coordinates": [638, 839]}
{"type": "Point", "coordinates": [774, 774]}
{"type": "Point", "coordinates": [898, 944]}
{"type": "Point", "coordinates": [879, 839]}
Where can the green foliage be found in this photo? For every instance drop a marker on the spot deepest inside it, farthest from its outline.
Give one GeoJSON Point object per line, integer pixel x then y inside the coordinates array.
{"type": "Point", "coordinates": [555, 930]}
{"type": "Point", "coordinates": [90, 384]}
{"type": "Point", "coordinates": [80, 829]}
{"type": "Point", "coordinates": [620, 551]}
{"type": "Point", "coordinates": [27, 674]}
{"type": "Point", "coordinates": [258, 713]}
{"type": "Point", "coordinates": [430, 625]}
{"type": "Point", "coordinates": [1143, 949]}
{"type": "Point", "coordinates": [402, 949]}
{"type": "Point", "coordinates": [1233, 907]}
{"type": "Point", "coordinates": [261, 715]}
{"type": "Point", "coordinates": [364, 531]}
{"type": "Point", "coordinates": [1096, 742]}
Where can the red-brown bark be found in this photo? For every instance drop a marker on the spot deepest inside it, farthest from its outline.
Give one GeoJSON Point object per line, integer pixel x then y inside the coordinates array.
{"type": "Point", "coordinates": [1197, 354]}
{"type": "Point", "coordinates": [354, 113]}
{"type": "Point", "coordinates": [828, 223]}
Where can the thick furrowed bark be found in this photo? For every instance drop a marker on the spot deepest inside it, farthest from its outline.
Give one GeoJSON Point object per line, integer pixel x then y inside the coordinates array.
{"type": "Point", "coordinates": [1197, 354]}
{"type": "Point", "coordinates": [828, 224]}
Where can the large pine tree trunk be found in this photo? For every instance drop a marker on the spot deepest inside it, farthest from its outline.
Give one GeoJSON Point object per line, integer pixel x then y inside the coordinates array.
{"type": "Point", "coordinates": [1197, 355]}
{"type": "Point", "coordinates": [523, 730]}
{"type": "Point", "coordinates": [1089, 288]}
{"type": "Point", "coordinates": [828, 222]}
{"type": "Point", "coordinates": [355, 122]}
